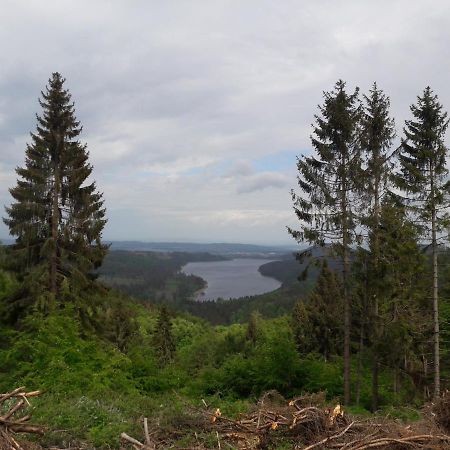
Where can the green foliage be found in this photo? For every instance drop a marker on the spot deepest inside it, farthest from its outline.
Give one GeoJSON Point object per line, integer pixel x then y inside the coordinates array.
{"type": "Point", "coordinates": [162, 338]}
{"type": "Point", "coordinates": [328, 177]}
{"type": "Point", "coordinates": [52, 354]}
{"type": "Point", "coordinates": [270, 305]}
{"type": "Point", "coordinates": [253, 327]}
{"type": "Point", "coordinates": [376, 136]}
{"type": "Point", "coordinates": [423, 160]}
{"type": "Point", "coordinates": [8, 286]}
{"type": "Point", "coordinates": [316, 321]}
{"type": "Point", "coordinates": [330, 184]}
{"type": "Point", "coordinates": [277, 362]}
{"type": "Point", "coordinates": [377, 131]}
{"type": "Point", "coordinates": [423, 179]}
{"type": "Point", "coordinates": [323, 376]}
{"type": "Point", "coordinates": [96, 387]}
{"type": "Point", "coordinates": [389, 293]}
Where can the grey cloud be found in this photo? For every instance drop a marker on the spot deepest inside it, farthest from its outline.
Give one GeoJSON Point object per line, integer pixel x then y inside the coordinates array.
{"type": "Point", "coordinates": [262, 181]}
{"type": "Point", "coordinates": [240, 168]}
{"type": "Point", "coordinates": [164, 88]}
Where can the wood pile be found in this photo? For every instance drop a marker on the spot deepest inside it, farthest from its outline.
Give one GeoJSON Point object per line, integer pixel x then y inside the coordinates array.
{"type": "Point", "coordinates": [14, 420]}
{"type": "Point", "coordinates": [304, 426]}
{"type": "Point", "coordinates": [311, 427]}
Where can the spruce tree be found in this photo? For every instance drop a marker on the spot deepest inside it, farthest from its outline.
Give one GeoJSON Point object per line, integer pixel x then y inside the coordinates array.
{"type": "Point", "coordinates": [402, 322]}
{"type": "Point", "coordinates": [376, 135]}
{"type": "Point", "coordinates": [423, 180]}
{"type": "Point", "coordinates": [57, 215]}
{"type": "Point", "coordinates": [163, 340]}
{"type": "Point", "coordinates": [302, 328]}
{"type": "Point", "coordinates": [253, 326]}
{"type": "Point", "coordinates": [316, 320]}
{"type": "Point", "coordinates": [329, 182]}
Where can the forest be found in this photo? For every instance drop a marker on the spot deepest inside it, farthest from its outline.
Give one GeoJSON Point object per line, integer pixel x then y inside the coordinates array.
{"type": "Point", "coordinates": [362, 318]}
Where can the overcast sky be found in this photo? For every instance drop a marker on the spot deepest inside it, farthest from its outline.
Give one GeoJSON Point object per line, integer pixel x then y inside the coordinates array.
{"type": "Point", "coordinates": [194, 111]}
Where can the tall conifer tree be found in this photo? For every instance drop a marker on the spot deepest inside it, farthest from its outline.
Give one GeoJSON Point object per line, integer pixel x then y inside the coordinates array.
{"type": "Point", "coordinates": [376, 135]}
{"type": "Point", "coordinates": [57, 215]}
{"type": "Point", "coordinates": [423, 179]}
{"type": "Point", "coordinates": [163, 340]}
{"type": "Point", "coordinates": [328, 181]}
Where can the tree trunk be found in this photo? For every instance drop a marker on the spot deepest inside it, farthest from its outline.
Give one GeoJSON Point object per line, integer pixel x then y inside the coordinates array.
{"type": "Point", "coordinates": [55, 216]}
{"type": "Point", "coordinates": [346, 334]}
{"type": "Point", "coordinates": [55, 220]}
{"type": "Point", "coordinates": [375, 368]}
{"type": "Point", "coordinates": [426, 391]}
{"type": "Point", "coordinates": [437, 375]}
{"type": "Point", "coordinates": [437, 378]}
{"type": "Point", "coordinates": [376, 257]}
{"type": "Point", "coordinates": [395, 387]}
{"type": "Point", "coordinates": [346, 271]}
{"type": "Point", "coordinates": [359, 373]}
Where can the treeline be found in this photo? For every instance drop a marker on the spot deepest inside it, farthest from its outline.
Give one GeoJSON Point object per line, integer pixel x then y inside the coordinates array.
{"type": "Point", "coordinates": [269, 305]}
{"type": "Point", "coordinates": [385, 206]}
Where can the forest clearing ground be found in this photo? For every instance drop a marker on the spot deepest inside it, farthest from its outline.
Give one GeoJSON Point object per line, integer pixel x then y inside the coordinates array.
{"type": "Point", "coordinates": [307, 422]}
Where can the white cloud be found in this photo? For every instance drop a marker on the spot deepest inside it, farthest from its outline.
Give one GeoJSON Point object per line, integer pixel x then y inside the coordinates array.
{"type": "Point", "coordinates": [240, 217]}
{"type": "Point", "coordinates": [241, 167]}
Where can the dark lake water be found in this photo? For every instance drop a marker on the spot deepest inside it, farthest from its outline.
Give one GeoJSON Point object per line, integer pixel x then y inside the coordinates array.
{"type": "Point", "coordinates": [231, 279]}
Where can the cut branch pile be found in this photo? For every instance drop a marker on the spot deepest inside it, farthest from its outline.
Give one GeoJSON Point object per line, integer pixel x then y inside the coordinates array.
{"type": "Point", "coordinates": [440, 410]}
{"type": "Point", "coordinates": [13, 420]}
{"type": "Point", "coordinates": [305, 427]}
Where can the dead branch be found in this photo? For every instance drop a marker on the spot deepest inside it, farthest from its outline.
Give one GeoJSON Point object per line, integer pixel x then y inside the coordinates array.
{"type": "Point", "coordinates": [11, 404]}
{"type": "Point", "coordinates": [330, 438]}
{"type": "Point", "coordinates": [149, 444]}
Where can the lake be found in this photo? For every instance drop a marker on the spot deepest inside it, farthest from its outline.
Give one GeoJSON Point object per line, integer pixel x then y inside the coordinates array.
{"type": "Point", "coordinates": [231, 279]}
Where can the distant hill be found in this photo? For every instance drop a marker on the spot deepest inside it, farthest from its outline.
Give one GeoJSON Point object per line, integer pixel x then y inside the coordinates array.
{"type": "Point", "coordinates": [213, 248]}
{"type": "Point", "coordinates": [219, 248]}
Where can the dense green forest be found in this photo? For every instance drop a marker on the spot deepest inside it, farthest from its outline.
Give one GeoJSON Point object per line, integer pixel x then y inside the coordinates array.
{"type": "Point", "coordinates": [363, 315]}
